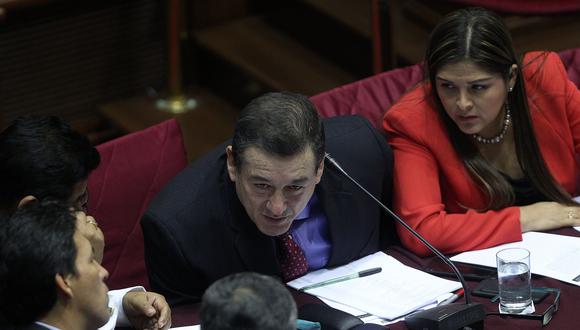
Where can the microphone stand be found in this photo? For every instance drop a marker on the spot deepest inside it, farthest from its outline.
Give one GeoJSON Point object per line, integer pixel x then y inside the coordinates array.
{"type": "Point", "coordinates": [451, 316]}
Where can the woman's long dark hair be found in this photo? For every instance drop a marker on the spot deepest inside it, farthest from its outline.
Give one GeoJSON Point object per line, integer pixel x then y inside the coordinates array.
{"type": "Point", "coordinates": [480, 36]}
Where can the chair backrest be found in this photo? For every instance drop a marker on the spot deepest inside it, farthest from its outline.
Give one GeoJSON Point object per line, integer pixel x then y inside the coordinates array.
{"type": "Point", "coordinates": [369, 97]}
{"type": "Point", "coordinates": [133, 169]}
{"type": "Point", "coordinates": [571, 60]}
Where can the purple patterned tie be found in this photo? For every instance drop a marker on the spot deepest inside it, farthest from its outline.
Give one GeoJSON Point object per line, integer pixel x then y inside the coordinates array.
{"type": "Point", "coordinates": [292, 260]}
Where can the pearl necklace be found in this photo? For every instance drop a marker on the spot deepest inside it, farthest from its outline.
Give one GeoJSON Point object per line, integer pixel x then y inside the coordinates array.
{"type": "Point", "coordinates": [498, 138]}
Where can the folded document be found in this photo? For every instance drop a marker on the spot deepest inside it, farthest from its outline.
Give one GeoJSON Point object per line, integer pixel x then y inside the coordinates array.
{"type": "Point", "coordinates": [395, 291]}
{"type": "Point", "coordinates": [551, 255]}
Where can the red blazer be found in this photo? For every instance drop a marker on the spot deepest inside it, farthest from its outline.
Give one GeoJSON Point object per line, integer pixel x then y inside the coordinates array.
{"type": "Point", "coordinates": [433, 191]}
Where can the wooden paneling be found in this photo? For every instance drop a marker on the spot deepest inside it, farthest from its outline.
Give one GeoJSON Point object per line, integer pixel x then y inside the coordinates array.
{"type": "Point", "coordinates": [66, 60]}
{"type": "Point", "coordinates": [210, 123]}
{"type": "Point", "coordinates": [204, 13]}
{"type": "Point", "coordinates": [411, 23]}
{"type": "Point", "coordinates": [273, 58]}
{"type": "Point", "coordinates": [355, 14]}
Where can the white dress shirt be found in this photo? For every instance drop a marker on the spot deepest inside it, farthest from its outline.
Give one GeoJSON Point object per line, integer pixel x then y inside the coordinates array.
{"type": "Point", "coordinates": [118, 317]}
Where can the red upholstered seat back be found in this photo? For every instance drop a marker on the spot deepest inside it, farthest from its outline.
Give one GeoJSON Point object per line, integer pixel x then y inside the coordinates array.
{"type": "Point", "coordinates": [132, 171]}
{"type": "Point", "coordinates": [369, 97]}
{"type": "Point", "coordinates": [571, 60]}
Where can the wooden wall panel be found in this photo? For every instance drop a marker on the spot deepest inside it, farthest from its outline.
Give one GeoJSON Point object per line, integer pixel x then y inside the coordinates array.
{"type": "Point", "coordinates": [203, 13]}
{"type": "Point", "coordinates": [68, 58]}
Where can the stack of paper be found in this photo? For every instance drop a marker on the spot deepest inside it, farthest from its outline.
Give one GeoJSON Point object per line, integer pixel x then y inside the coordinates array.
{"type": "Point", "coordinates": [395, 291]}
{"type": "Point", "coordinates": [550, 255]}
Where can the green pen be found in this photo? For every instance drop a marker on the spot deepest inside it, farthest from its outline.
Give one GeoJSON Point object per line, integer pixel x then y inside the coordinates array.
{"type": "Point", "coordinates": [362, 273]}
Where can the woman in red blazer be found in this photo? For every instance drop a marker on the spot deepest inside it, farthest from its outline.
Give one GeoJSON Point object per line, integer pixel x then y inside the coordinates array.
{"type": "Point", "coordinates": [490, 151]}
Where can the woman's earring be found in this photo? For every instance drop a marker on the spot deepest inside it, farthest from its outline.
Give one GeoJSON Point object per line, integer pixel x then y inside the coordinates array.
{"type": "Point", "coordinates": [510, 89]}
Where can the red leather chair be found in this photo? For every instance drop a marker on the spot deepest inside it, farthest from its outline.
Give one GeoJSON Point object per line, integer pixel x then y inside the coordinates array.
{"type": "Point", "coordinates": [571, 60]}
{"type": "Point", "coordinates": [369, 97]}
{"type": "Point", "coordinates": [133, 169]}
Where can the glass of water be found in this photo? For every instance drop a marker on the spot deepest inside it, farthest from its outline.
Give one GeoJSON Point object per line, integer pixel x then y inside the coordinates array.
{"type": "Point", "coordinates": [513, 273]}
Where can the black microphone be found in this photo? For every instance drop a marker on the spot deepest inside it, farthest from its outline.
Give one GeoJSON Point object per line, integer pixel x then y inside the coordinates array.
{"type": "Point", "coordinates": [451, 316]}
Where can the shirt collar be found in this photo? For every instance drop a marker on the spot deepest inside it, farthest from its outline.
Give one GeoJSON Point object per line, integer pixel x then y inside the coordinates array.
{"type": "Point", "coordinates": [305, 213]}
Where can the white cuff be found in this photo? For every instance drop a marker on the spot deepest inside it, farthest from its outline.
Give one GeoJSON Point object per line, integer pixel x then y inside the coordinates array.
{"type": "Point", "coordinates": [118, 317]}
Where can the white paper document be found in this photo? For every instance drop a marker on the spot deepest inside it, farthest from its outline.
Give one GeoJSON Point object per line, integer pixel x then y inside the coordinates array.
{"type": "Point", "coordinates": [369, 318]}
{"type": "Point", "coordinates": [191, 327]}
{"type": "Point", "coordinates": [395, 291]}
{"type": "Point", "coordinates": [551, 255]}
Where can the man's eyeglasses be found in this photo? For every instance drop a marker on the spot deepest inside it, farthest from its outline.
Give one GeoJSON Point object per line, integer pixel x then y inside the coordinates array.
{"type": "Point", "coordinates": [547, 315]}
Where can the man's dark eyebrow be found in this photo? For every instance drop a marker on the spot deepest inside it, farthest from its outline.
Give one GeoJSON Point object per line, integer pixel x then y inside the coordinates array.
{"type": "Point", "coordinates": [300, 181]}
{"type": "Point", "coordinates": [258, 178]}
{"type": "Point", "coordinates": [297, 181]}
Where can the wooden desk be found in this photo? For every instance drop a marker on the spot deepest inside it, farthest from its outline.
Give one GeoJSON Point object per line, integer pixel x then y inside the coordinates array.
{"type": "Point", "coordinates": [567, 316]}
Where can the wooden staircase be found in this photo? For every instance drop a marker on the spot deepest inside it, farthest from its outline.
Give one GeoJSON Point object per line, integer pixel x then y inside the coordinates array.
{"type": "Point", "coordinates": [279, 61]}
{"type": "Point", "coordinates": [271, 57]}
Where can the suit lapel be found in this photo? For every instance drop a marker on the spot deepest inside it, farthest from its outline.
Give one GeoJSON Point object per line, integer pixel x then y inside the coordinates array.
{"type": "Point", "coordinates": [336, 204]}
{"type": "Point", "coordinates": [257, 252]}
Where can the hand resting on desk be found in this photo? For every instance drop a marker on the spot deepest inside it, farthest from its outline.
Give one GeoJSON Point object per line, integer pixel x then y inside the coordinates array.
{"type": "Point", "coordinates": [548, 215]}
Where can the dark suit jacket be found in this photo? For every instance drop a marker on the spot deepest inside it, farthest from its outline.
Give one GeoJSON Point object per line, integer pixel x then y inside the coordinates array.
{"type": "Point", "coordinates": [196, 230]}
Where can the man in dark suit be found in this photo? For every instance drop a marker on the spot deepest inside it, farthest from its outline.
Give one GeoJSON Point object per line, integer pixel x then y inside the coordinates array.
{"type": "Point", "coordinates": [42, 158]}
{"type": "Point", "coordinates": [50, 278]}
{"type": "Point", "coordinates": [232, 210]}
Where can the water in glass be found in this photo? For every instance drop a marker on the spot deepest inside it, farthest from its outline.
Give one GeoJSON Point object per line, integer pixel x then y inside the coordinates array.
{"type": "Point", "coordinates": [514, 287]}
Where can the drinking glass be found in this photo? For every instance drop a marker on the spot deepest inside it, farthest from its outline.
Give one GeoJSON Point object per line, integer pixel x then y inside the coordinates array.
{"type": "Point", "coordinates": [513, 274]}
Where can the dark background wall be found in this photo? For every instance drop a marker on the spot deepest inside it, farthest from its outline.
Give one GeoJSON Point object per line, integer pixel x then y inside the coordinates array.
{"type": "Point", "coordinates": [102, 65]}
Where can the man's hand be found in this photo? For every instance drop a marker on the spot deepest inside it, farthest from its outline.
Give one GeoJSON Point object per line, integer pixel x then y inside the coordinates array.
{"type": "Point", "coordinates": [147, 310]}
{"type": "Point", "coordinates": [89, 228]}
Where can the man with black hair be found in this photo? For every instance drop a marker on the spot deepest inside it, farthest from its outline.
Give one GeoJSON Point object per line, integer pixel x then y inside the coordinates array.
{"type": "Point", "coordinates": [265, 201]}
{"type": "Point", "coordinates": [248, 301]}
{"type": "Point", "coordinates": [50, 279]}
{"type": "Point", "coordinates": [43, 159]}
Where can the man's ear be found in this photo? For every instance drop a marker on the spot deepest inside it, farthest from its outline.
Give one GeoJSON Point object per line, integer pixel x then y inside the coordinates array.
{"type": "Point", "coordinates": [62, 285]}
{"type": "Point", "coordinates": [319, 171]}
{"type": "Point", "coordinates": [26, 200]}
{"type": "Point", "coordinates": [232, 169]}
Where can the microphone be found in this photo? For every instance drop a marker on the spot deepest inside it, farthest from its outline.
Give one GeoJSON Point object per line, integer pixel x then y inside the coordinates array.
{"type": "Point", "coordinates": [451, 316]}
